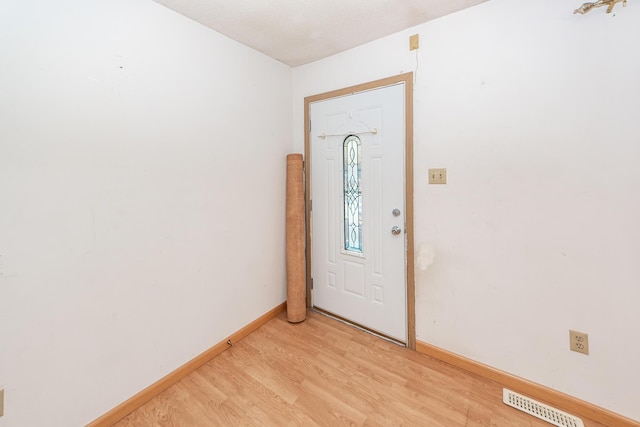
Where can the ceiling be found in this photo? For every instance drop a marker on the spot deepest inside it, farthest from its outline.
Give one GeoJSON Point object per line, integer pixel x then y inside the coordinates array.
{"type": "Point", "coordinates": [298, 32]}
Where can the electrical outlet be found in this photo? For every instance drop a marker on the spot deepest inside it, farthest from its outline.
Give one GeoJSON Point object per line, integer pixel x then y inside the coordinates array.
{"type": "Point", "coordinates": [437, 176]}
{"type": "Point", "coordinates": [579, 341]}
{"type": "Point", "coordinates": [1, 402]}
{"type": "Point", "coordinates": [414, 42]}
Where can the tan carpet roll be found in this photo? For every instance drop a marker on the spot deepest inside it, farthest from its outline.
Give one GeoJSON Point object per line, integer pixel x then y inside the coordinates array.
{"type": "Point", "coordinates": [296, 290]}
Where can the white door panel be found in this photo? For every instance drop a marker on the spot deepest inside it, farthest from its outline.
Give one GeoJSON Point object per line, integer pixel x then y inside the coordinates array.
{"type": "Point", "coordinates": [358, 268]}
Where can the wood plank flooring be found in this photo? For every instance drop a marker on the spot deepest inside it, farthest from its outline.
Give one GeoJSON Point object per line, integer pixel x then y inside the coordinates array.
{"type": "Point", "coordinates": [324, 373]}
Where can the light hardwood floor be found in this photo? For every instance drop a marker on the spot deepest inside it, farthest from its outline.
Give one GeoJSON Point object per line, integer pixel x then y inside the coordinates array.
{"type": "Point", "coordinates": [324, 373]}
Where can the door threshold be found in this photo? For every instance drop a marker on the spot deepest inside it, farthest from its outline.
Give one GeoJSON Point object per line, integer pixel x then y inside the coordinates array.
{"type": "Point", "coordinates": [357, 326]}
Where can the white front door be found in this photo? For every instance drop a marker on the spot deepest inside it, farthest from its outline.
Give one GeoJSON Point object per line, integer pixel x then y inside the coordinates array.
{"type": "Point", "coordinates": [358, 209]}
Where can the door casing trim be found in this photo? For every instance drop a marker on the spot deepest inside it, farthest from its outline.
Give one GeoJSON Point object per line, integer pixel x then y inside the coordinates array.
{"type": "Point", "coordinates": [407, 79]}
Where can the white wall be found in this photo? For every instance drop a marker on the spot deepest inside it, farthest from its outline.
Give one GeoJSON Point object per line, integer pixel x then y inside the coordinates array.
{"type": "Point", "coordinates": [533, 111]}
{"type": "Point", "coordinates": [142, 183]}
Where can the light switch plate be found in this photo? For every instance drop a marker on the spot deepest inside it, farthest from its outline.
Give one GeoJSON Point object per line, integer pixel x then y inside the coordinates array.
{"type": "Point", "coordinates": [437, 176]}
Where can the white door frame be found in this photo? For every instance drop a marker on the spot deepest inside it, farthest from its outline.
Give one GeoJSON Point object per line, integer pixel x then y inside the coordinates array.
{"type": "Point", "coordinates": [407, 79]}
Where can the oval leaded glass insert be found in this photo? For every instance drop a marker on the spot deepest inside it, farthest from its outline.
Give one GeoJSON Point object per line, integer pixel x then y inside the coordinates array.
{"type": "Point", "coordinates": [352, 164]}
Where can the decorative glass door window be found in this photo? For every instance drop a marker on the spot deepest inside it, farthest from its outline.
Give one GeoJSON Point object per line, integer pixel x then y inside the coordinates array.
{"type": "Point", "coordinates": [352, 170]}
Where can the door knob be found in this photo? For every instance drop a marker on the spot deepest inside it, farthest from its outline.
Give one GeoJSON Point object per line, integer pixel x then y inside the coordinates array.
{"type": "Point", "coordinates": [396, 230]}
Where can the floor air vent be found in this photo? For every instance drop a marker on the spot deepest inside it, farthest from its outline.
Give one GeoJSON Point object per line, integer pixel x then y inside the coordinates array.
{"type": "Point", "coordinates": [540, 410]}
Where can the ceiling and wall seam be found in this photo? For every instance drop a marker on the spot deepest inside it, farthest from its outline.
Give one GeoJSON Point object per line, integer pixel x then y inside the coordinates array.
{"type": "Point", "coordinates": [305, 31]}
